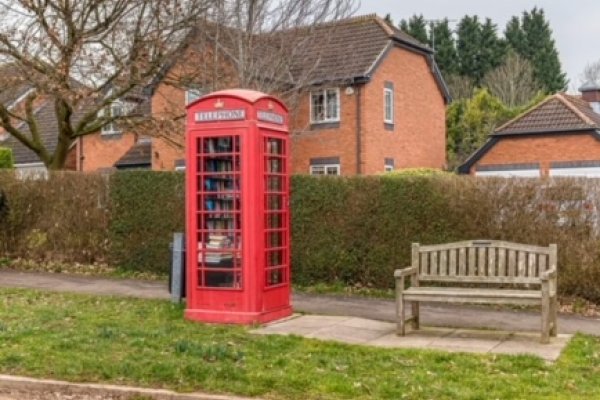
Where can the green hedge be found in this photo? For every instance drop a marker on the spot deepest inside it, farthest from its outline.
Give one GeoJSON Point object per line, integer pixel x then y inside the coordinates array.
{"type": "Point", "coordinates": [62, 218]}
{"type": "Point", "coordinates": [147, 207]}
{"type": "Point", "coordinates": [358, 230]}
{"type": "Point", "coordinates": [354, 231]}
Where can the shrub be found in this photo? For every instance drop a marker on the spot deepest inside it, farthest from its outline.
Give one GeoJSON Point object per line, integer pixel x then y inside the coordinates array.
{"type": "Point", "coordinates": [358, 230]}
{"type": "Point", "coordinates": [146, 208]}
{"type": "Point", "coordinates": [6, 158]}
{"type": "Point", "coordinates": [62, 218]}
{"type": "Point", "coordinates": [418, 172]}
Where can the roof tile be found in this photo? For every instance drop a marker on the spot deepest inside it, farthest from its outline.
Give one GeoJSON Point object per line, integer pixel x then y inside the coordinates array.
{"type": "Point", "coordinates": [560, 112]}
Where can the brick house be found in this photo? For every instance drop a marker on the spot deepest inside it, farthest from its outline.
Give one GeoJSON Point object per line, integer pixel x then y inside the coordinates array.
{"type": "Point", "coordinates": [558, 137]}
{"type": "Point", "coordinates": [373, 100]}
{"type": "Point", "coordinates": [376, 102]}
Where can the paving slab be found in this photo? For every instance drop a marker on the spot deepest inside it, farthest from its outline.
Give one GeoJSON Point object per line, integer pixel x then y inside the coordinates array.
{"type": "Point", "coordinates": [363, 331]}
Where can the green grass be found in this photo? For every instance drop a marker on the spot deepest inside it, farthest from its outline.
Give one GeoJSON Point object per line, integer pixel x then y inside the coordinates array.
{"type": "Point", "coordinates": [148, 343]}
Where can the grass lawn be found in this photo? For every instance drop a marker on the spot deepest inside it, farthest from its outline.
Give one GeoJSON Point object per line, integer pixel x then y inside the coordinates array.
{"type": "Point", "coordinates": [147, 343]}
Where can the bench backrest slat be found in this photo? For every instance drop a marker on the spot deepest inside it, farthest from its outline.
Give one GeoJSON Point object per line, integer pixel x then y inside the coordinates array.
{"type": "Point", "coordinates": [483, 261]}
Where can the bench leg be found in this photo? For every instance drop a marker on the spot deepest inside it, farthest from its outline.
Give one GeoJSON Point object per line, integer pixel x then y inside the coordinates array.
{"type": "Point", "coordinates": [546, 305]}
{"type": "Point", "coordinates": [415, 314]}
{"type": "Point", "coordinates": [553, 316]}
{"type": "Point", "coordinates": [400, 317]}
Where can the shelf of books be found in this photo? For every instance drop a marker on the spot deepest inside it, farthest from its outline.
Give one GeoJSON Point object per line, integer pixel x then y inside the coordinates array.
{"type": "Point", "coordinates": [219, 212]}
{"type": "Point", "coordinates": [276, 217]}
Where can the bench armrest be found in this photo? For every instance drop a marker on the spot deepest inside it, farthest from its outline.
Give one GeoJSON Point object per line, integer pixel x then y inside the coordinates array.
{"type": "Point", "coordinates": [547, 275]}
{"type": "Point", "coordinates": [401, 273]}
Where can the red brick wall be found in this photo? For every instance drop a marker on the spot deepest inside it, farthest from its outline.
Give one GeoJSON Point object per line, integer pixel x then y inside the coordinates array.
{"type": "Point", "coordinates": [103, 152]}
{"type": "Point", "coordinates": [314, 142]}
{"type": "Point", "coordinates": [419, 136]}
{"type": "Point", "coordinates": [168, 101]}
{"type": "Point", "coordinates": [543, 150]}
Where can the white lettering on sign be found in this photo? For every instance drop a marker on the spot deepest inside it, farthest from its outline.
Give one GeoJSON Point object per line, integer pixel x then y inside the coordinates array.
{"type": "Point", "coordinates": [220, 115]}
{"type": "Point", "coordinates": [269, 116]}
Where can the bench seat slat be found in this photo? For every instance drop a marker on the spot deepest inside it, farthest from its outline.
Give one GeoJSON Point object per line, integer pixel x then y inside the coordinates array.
{"type": "Point", "coordinates": [471, 300]}
{"type": "Point", "coordinates": [474, 292]}
{"type": "Point", "coordinates": [481, 279]}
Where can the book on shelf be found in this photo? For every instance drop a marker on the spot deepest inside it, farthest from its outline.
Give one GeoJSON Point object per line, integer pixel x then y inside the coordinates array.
{"type": "Point", "coordinates": [218, 204]}
{"type": "Point", "coordinates": [219, 145]}
{"type": "Point", "coordinates": [217, 258]}
{"type": "Point", "coordinates": [218, 242]}
{"type": "Point", "coordinates": [220, 224]}
{"type": "Point", "coordinates": [273, 146]}
{"type": "Point", "coordinates": [219, 165]}
{"type": "Point", "coordinates": [220, 185]}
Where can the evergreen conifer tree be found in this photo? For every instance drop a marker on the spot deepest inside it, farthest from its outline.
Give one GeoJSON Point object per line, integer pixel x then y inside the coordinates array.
{"type": "Point", "coordinates": [416, 27]}
{"type": "Point", "coordinates": [445, 47]}
{"type": "Point", "coordinates": [468, 47]}
{"type": "Point", "coordinates": [532, 39]}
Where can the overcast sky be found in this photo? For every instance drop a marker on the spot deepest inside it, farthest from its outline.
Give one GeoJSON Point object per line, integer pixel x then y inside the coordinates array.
{"type": "Point", "coordinates": [575, 23]}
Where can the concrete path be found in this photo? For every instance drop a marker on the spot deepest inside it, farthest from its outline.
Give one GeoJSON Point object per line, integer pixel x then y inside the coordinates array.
{"type": "Point", "coordinates": [382, 310]}
{"type": "Point", "coordinates": [369, 332]}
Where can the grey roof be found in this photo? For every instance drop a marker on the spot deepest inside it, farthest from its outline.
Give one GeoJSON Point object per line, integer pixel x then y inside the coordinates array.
{"type": "Point", "coordinates": [138, 156]}
{"type": "Point", "coordinates": [48, 127]}
{"type": "Point", "coordinates": [344, 50]}
{"type": "Point", "coordinates": [11, 85]}
{"type": "Point", "coordinates": [560, 112]}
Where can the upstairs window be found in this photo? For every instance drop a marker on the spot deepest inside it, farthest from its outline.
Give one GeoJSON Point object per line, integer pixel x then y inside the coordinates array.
{"type": "Point", "coordinates": [325, 106]}
{"type": "Point", "coordinates": [388, 106]}
{"type": "Point", "coordinates": [115, 110]}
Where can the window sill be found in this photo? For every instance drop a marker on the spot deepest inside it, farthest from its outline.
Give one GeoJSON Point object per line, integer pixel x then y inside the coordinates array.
{"type": "Point", "coordinates": [388, 126]}
{"type": "Point", "coordinates": [324, 125]}
{"type": "Point", "coordinates": [111, 135]}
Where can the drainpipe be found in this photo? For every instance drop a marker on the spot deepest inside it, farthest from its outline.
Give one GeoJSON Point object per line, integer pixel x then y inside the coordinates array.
{"type": "Point", "coordinates": [81, 157]}
{"type": "Point", "coordinates": [358, 130]}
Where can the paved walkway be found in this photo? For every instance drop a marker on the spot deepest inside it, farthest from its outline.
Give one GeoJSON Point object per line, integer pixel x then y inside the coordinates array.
{"type": "Point", "coordinates": [381, 310]}
{"type": "Point", "coordinates": [383, 334]}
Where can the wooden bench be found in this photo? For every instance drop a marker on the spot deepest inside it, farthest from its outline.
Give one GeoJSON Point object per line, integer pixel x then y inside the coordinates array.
{"type": "Point", "coordinates": [480, 272]}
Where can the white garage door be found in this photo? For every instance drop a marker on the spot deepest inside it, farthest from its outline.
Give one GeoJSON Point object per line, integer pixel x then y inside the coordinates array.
{"type": "Point", "coordinates": [509, 171]}
{"type": "Point", "coordinates": [588, 172]}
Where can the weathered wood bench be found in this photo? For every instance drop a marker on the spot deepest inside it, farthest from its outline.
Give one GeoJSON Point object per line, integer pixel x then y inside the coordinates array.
{"type": "Point", "coordinates": [480, 272]}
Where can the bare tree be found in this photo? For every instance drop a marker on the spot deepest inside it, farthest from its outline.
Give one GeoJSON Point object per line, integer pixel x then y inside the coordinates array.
{"type": "Point", "coordinates": [81, 56]}
{"type": "Point", "coordinates": [461, 87]}
{"type": "Point", "coordinates": [513, 82]}
{"type": "Point", "coordinates": [264, 38]}
{"type": "Point", "coordinates": [591, 73]}
{"type": "Point", "coordinates": [268, 45]}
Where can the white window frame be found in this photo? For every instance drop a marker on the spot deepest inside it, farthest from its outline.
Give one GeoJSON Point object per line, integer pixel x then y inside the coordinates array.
{"type": "Point", "coordinates": [388, 168]}
{"type": "Point", "coordinates": [192, 94]}
{"type": "Point", "coordinates": [325, 119]}
{"type": "Point", "coordinates": [325, 167]}
{"type": "Point", "coordinates": [111, 128]}
{"type": "Point", "coordinates": [386, 92]}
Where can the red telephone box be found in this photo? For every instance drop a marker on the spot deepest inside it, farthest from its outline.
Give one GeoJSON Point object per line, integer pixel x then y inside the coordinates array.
{"type": "Point", "coordinates": [238, 220]}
